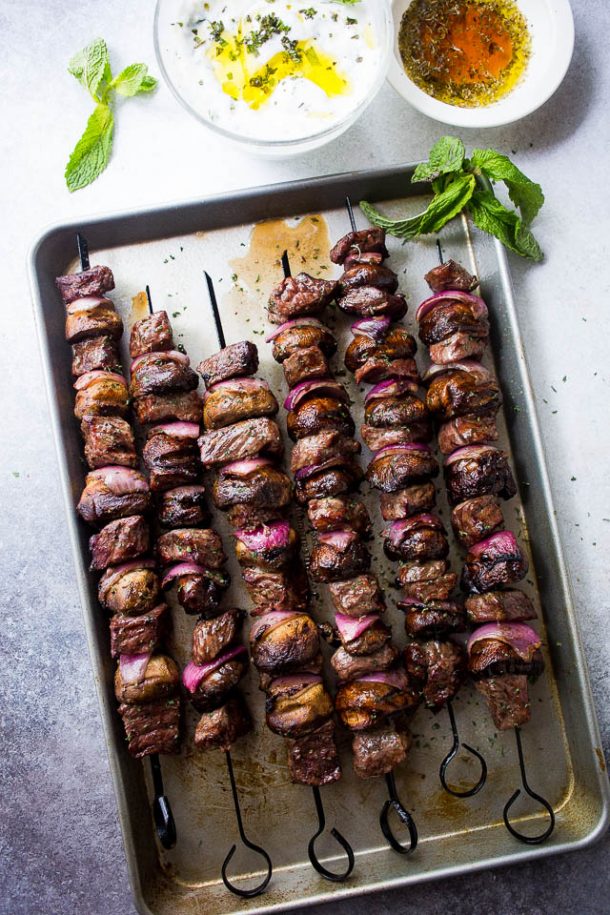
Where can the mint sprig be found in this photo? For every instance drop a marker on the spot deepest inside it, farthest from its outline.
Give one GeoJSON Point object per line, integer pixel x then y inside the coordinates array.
{"type": "Point", "coordinates": [453, 179]}
{"type": "Point", "coordinates": [91, 67]}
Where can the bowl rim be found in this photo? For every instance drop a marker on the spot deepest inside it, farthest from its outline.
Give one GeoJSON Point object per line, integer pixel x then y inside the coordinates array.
{"type": "Point", "coordinates": [491, 116]}
{"type": "Point", "coordinates": [320, 136]}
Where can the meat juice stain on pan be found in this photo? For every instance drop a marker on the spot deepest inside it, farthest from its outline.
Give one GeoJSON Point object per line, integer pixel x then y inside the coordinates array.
{"type": "Point", "coordinates": [445, 805]}
{"type": "Point", "coordinates": [307, 242]}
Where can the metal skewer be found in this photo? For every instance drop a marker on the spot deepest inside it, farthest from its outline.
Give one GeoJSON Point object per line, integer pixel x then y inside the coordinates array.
{"type": "Point", "coordinates": [311, 849]}
{"type": "Point", "coordinates": [260, 888]}
{"type": "Point", "coordinates": [527, 839]}
{"type": "Point", "coordinates": [393, 802]}
{"type": "Point", "coordinates": [457, 743]}
{"type": "Point", "coordinates": [214, 303]}
{"type": "Point", "coordinates": [350, 213]}
{"type": "Point", "coordinates": [163, 817]}
{"type": "Point", "coordinates": [161, 808]}
{"type": "Point", "coordinates": [469, 792]}
{"type": "Point", "coordinates": [315, 862]}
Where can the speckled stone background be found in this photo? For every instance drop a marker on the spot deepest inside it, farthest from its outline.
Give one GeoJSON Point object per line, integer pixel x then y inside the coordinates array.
{"type": "Point", "coordinates": [60, 847]}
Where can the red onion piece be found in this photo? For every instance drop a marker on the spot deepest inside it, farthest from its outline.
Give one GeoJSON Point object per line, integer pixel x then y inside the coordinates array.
{"type": "Point", "coordinates": [176, 430]}
{"type": "Point", "coordinates": [296, 322]}
{"type": "Point", "coordinates": [524, 640]}
{"type": "Point", "coordinates": [193, 674]}
{"type": "Point", "coordinates": [468, 453]}
{"type": "Point", "coordinates": [447, 296]}
{"type": "Point", "coordinates": [351, 628]}
{"type": "Point", "coordinates": [395, 531]}
{"type": "Point", "coordinates": [306, 472]}
{"type": "Point", "coordinates": [116, 572]}
{"type": "Point", "coordinates": [406, 446]}
{"type": "Point", "coordinates": [340, 540]}
{"type": "Point", "coordinates": [87, 302]}
{"type": "Point", "coordinates": [502, 542]}
{"type": "Point", "coordinates": [267, 537]}
{"type": "Point", "coordinates": [244, 468]}
{"type": "Point", "coordinates": [133, 667]}
{"type": "Point", "coordinates": [396, 678]}
{"type": "Point", "coordinates": [269, 620]}
{"type": "Point", "coordinates": [173, 355]}
{"type": "Point", "coordinates": [91, 377]}
{"type": "Point", "coordinates": [120, 480]}
{"type": "Point", "coordinates": [181, 568]}
{"type": "Point", "coordinates": [393, 387]}
{"type": "Point", "coordinates": [375, 328]}
{"type": "Point", "coordinates": [326, 387]}
{"type": "Point", "coordinates": [474, 368]}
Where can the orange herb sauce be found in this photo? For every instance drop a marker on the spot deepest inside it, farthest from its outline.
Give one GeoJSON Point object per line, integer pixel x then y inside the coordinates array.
{"type": "Point", "coordinates": [464, 52]}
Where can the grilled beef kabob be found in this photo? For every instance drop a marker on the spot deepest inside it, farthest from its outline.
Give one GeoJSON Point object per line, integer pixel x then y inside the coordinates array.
{"type": "Point", "coordinates": [242, 444]}
{"type": "Point", "coordinates": [398, 429]}
{"type": "Point", "coordinates": [190, 552]}
{"type": "Point", "coordinates": [464, 397]}
{"type": "Point", "coordinates": [373, 687]}
{"type": "Point", "coordinates": [115, 500]}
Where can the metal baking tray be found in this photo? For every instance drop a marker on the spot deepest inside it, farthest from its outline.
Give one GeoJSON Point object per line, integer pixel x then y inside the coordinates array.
{"type": "Point", "coordinates": [168, 248]}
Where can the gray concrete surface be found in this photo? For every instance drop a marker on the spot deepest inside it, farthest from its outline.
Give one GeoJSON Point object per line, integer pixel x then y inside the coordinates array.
{"type": "Point", "coordinates": [60, 846]}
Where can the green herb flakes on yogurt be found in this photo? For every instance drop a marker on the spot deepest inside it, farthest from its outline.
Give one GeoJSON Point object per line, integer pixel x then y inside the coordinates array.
{"type": "Point", "coordinates": [271, 70]}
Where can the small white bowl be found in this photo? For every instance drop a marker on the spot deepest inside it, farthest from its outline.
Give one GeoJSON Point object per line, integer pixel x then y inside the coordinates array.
{"type": "Point", "coordinates": [552, 35]}
{"type": "Point", "coordinates": [181, 83]}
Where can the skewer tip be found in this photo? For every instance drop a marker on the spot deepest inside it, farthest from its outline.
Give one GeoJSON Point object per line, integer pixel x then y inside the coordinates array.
{"type": "Point", "coordinates": [215, 310]}
{"type": "Point", "coordinates": [440, 250]}
{"type": "Point", "coordinates": [350, 213]}
{"type": "Point", "coordinates": [286, 264]}
{"type": "Point", "coordinates": [83, 251]}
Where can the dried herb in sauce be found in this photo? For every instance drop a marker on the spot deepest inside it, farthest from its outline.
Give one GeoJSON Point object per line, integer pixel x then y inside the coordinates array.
{"type": "Point", "coordinates": [464, 52]}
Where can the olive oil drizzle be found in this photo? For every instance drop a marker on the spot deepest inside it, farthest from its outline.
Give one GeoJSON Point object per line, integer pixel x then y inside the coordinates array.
{"type": "Point", "coordinates": [235, 58]}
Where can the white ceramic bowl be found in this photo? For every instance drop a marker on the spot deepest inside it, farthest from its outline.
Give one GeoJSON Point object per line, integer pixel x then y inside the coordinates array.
{"type": "Point", "coordinates": [185, 90]}
{"type": "Point", "coordinates": [552, 33]}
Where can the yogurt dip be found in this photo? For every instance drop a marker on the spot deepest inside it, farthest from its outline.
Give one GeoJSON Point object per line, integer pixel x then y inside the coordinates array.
{"type": "Point", "coordinates": [273, 70]}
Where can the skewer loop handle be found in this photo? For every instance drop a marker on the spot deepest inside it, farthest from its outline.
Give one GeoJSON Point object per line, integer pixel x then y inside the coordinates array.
{"type": "Point", "coordinates": [526, 839]}
{"type": "Point", "coordinates": [394, 803]}
{"type": "Point", "coordinates": [468, 792]}
{"type": "Point", "coordinates": [311, 848]}
{"type": "Point", "coordinates": [161, 807]}
{"type": "Point", "coordinates": [262, 886]}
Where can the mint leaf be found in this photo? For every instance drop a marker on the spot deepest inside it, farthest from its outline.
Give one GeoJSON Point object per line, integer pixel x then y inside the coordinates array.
{"type": "Point", "coordinates": [455, 187]}
{"type": "Point", "coordinates": [441, 209]}
{"type": "Point", "coordinates": [148, 84]}
{"type": "Point", "coordinates": [92, 152]}
{"type": "Point", "coordinates": [133, 80]}
{"type": "Point", "coordinates": [493, 217]}
{"type": "Point", "coordinates": [91, 67]}
{"type": "Point", "coordinates": [446, 156]}
{"type": "Point", "coordinates": [524, 193]}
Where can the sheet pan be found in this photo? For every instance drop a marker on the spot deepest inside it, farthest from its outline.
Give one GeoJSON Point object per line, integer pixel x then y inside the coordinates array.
{"type": "Point", "coordinates": [169, 247]}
